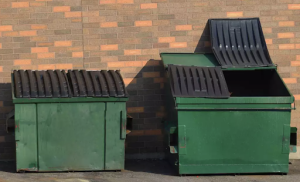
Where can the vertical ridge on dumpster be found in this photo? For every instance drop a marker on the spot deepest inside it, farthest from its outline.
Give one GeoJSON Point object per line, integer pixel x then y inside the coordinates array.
{"type": "Point", "coordinates": [111, 87]}
{"type": "Point", "coordinates": [54, 83]}
{"type": "Point", "coordinates": [88, 83]}
{"type": "Point", "coordinates": [25, 84]}
{"type": "Point", "coordinates": [17, 82]}
{"type": "Point", "coordinates": [33, 84]}
{"type": "Point", "coordinates": [40, 84]}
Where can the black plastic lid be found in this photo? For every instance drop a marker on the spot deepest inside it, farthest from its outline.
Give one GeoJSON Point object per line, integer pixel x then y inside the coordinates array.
{"type": "Point", "coordinates": [239, 43]}
{"type": "Point", "coordinates": [75, 83]}
{"type": "Point", "coordinates": [194, 81]}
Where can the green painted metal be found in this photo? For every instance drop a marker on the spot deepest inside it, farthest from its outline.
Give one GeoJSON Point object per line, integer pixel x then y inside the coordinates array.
{"type": "Point", "coordinates": [68, 140]}
{"type": "Point", "coordinates": [67, 100]}
{"type": "Point", "coordinates": [189, 59]}
{"type": "Point", "coordinates": [235, 135]}
{"type": "Point", "coordinates": [25, 136]}
{"type": "Point", "coordinates": [70, 136]}
{"type": "Point", "coordinates": [115, 129]}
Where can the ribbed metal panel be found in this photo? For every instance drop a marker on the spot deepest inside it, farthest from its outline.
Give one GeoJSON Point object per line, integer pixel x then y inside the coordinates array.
{"type": "Point", "coordinates": [239, 43]}
{"type": "Point", "coordinates": [75, 83]}
{"type": "Point", "coordinates": [97, 83]}
{"type": "Point", "coordinates": [192, 81]}
{"type": "Point", "coordinates": [41, 84]}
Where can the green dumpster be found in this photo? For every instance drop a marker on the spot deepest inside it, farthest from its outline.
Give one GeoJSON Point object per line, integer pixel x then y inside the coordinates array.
{"type": "Point", "coordinates": [69, 121]}
{"type": "Point", "coordinates": [227, 117]}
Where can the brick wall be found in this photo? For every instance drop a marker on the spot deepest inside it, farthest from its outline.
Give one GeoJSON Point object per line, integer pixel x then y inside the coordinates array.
{"type": "Point", "coordinates": [129, 35]}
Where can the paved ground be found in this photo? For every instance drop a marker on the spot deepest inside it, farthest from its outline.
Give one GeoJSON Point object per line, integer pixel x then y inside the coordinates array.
{"type": "Point", "coordinates": [146, 171]}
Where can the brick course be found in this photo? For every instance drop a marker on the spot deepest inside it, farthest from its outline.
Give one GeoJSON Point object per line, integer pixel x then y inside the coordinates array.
{"type": "Point", "coordinates": [129, 35]}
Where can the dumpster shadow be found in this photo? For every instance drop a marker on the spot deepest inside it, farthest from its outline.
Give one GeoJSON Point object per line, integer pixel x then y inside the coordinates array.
{"type": "Point", "coordinates": [146, 107]}
{"type": "Point", "coordinates": [8, 166]}
{"type": "Point", "coordinates": [204, 45]}
{"type": "Point", "coordinates": [150, 166]}
{"type": "Point", "coordinates": [7, 137]}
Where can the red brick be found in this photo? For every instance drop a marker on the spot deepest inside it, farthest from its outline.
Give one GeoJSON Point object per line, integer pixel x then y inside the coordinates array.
{"type": "Point", "coordinates": [297, 46]}
{"type": "Point", "coordinates": [184, 27]}
{"type": "Point", "coordinates": [61, 8]}
{"type": "Point", "coordinates": [1, 68]}
{"type": "Point", "coordinates": [90, 13]}
{"type": "Point", "coordinates": [133, 63]}
{"type": "Point", "coordinates": [149, 6]}
{"type": "Point", "coordinates": [107, 1]}
{"type": "Point", "coordinates": [143, 23]}
{"type": "Point", "coordinates": [286, 23]}
{"type": "Point", "coordinates": [45, 44]}
{"type": "Point", "coordinates": [286, 46]}
{"type": "Point", "coordinates": [151, 74]}
{"type": "Point", "coordinates": [77, 54]}
{"type": "Point", "coordinates": [46, 66]}
{"type": "Point", "coordinates": [18, 62]}
{"type": "Point", "coordinates": [115, 64]}
{"type": "Point", "coordinates": [0, 45]}
{"type": "Point", "coordinates": [166, 39]}
{"type": "Point", "coordinates": [289, 80]}
{"type": "Point", "coordinates": [73, 14]}
{"type": "Point", "coordinates": [286, 35]}
{"type": "Point", "coordinates": [295, 63]}
{"type": "Point", "coordinates": [267, 30]}
{"type": "Point", "coordinates": [38, 27]}
{"type": "Point", "coordinates": [20, 4]}
{"type": "Point", "coordinates": [10, 34]}
{"type": "Point", "coordinates": [64, 66]}
{"type": "Point", "coordinates": [159, 80]}
{"type": "Point", "coordinates": [109, 58]}
{"type": "Point", "coordinates": [109, 47]}
{"type": "Point", "coordinates": [63, 43]}
{"type": "Point", "coordinates": [39, 49]}
{"type": "Point", "coordinates": [294, 6]}
{"type": "Point", "coordinates": [125, 1]}
{"type": "Point", "coordinates": [37, 4]}
{"type": "Point", "coordinates": [178, 45]}
{"type": "Point", "coordinates": [135, 109]}
{"type": "Point", "coordinates": [46, 55]}
{"type": "Point", "coordinates": [153, 132]}
{"type": "Point", "coordinates": [235, 14]}
{"type": "Point", "coordinates": [6, 28]}
{"type": "Point", "coordinates": [28, 33]}
{"type": "Point", "coordinates": [297, 97]}
{"type": "Point", "coordinates": [269, 41]}
{"type": "Point", "coordinates": [298, 57]}
{"type": "Point", "coordinates": [109, 24]}
{"type": "Point", "coordinates": [133, 52]}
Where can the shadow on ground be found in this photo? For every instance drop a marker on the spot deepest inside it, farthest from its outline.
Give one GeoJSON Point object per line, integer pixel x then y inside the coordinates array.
{"type": "Point", "coordinates": [150, 166]}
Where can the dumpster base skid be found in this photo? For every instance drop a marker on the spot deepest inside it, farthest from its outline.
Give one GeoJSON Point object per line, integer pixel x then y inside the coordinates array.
{"type": "Point", "coordinates": [233, 168]}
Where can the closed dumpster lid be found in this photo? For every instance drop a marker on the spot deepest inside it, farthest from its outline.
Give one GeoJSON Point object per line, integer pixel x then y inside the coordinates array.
{"type": "Point", "coordinates": [239, 43]}
{"type": "Point", "coordinates": [63, 84]}
{"type": "Point", "coordinates": [194, 81]}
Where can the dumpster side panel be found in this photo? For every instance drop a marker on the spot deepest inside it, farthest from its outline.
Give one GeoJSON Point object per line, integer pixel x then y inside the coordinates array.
{"type": "Point", "coordinates": [115, 135]}
{"type": "Point", "coordinates": [234, 141]}
{"type": "Point", "coordinates": [71, 136]}
{"type": "Point", "coordinates": [26, 137]}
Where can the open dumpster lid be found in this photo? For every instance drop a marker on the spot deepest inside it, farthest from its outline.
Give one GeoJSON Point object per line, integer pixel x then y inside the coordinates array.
{"type": "Point", "coordinates": [62, 84]}
{"type": "Point", "coordinates": [239, 43]}
{"type": "Point", "coordinates": [194, 81]}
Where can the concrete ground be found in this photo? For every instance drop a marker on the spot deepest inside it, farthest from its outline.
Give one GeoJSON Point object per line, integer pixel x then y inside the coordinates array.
{"type": "Point", "coordinates": [146, 171]}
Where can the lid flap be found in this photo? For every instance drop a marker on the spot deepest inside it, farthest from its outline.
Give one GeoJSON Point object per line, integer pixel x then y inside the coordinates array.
{"type": "Point", "coordinates": [239, 43]}
{"type": "Point", "coordinates": [193, 81]}
{"type": "Point", "coordinates": [75, 83]}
